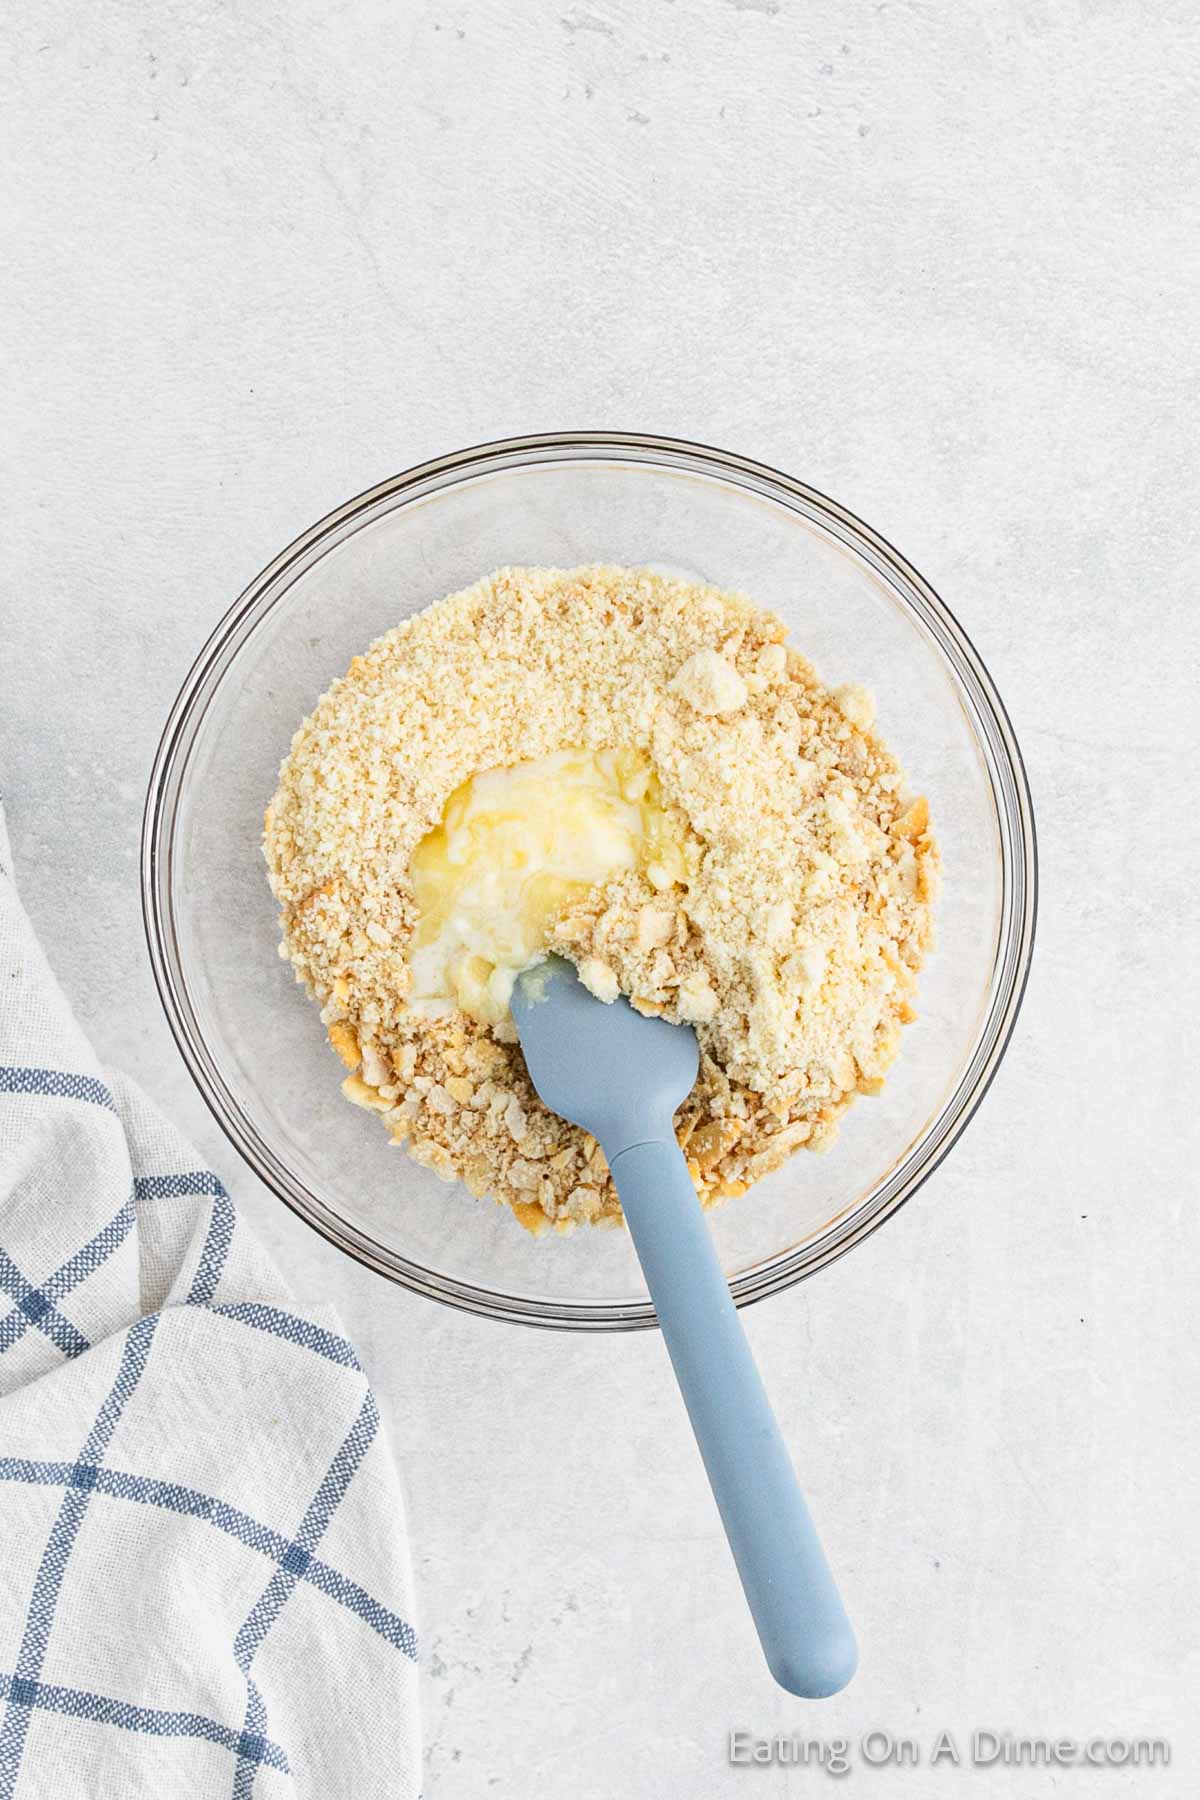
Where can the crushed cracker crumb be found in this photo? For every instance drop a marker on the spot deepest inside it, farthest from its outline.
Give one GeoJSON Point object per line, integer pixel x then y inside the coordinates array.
{"type": "Point", "coordinates": [793, 947]}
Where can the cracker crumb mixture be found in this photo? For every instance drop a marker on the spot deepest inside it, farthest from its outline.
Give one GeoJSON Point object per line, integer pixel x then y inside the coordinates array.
{"type": "Point", "coordinates": [789, 933]}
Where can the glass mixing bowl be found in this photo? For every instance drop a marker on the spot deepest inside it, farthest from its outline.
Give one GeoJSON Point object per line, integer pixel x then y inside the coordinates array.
{"type": "Point", "coordinates": [252, 1038]}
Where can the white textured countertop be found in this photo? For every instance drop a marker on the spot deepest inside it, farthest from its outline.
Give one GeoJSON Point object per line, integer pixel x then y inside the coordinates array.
{"type": "Point", "coordinates": [934, 261]}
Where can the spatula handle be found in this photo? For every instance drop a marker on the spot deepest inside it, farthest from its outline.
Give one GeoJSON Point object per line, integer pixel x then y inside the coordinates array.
{"type": "Point", "coordinates": [803, 1628]}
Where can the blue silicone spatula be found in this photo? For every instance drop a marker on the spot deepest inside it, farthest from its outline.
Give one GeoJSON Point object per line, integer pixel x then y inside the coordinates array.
{"type": "Point", "coordinates": [621, 1076]}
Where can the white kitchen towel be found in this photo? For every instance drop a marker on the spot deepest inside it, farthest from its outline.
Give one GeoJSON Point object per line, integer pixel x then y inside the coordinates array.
{"type": "Point", "coordinates": [204, 1583]}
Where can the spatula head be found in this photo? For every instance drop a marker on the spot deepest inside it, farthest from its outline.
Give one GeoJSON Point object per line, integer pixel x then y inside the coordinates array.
{"type": "Point", "coordinates": [602, 1065]}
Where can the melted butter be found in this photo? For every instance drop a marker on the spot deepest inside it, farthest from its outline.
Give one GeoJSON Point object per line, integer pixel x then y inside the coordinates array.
{"type": "Point", "coordinates": [516, 847]}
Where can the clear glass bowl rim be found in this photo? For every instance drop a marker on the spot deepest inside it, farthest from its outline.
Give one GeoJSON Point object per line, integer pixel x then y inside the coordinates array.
{"type": "Point", "coordinates": [1006, 771]}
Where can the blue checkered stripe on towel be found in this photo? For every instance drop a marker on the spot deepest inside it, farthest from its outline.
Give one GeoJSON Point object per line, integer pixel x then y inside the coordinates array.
{"type": "Point", "coordinates": [204, 1586]}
